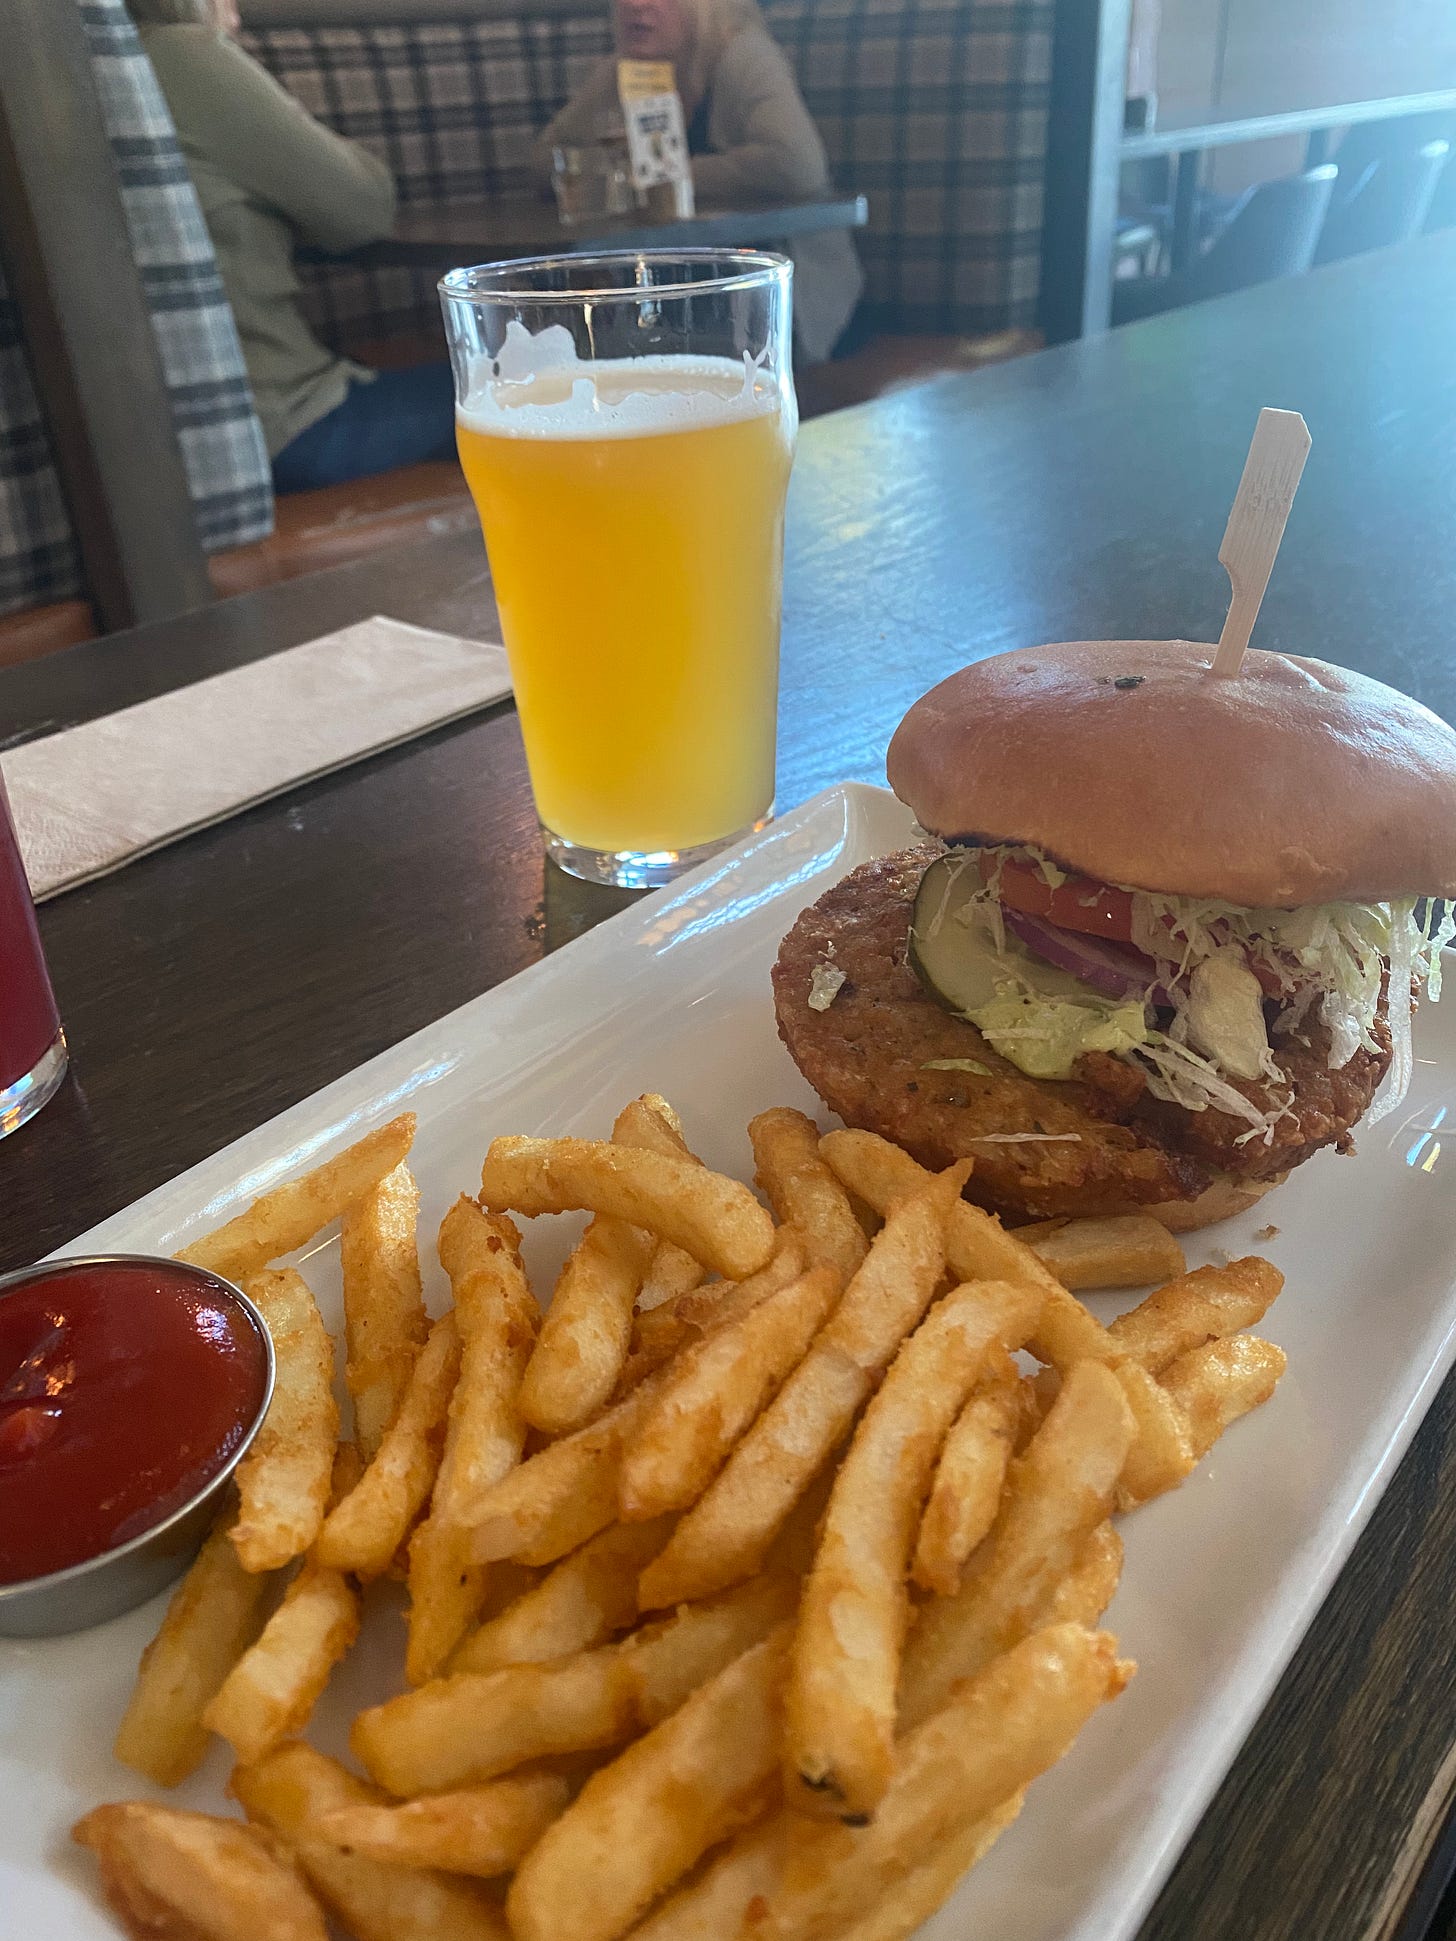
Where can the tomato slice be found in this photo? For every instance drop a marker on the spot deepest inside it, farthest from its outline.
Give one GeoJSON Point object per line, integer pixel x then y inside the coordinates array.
{"type": "Point", "coordinates": [1080, 903]}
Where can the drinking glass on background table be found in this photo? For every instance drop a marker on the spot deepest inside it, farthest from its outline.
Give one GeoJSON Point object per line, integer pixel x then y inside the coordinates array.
{"type": "Point", "coordinates": [626, 423]}
{"type": "Point", "coordinates": [32, 1044]}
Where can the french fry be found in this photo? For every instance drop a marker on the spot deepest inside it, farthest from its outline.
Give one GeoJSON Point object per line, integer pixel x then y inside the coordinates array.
{"type": "Point", "coordinates": [363, 1532]}
{"type": "Point", "coordinates": [562, 1496]}
{"type": "Point", "coordinates": [215, 1614]}
{"type": "Point", "coordinates": [291, 1790]}
{"type": "Point", "coordinates": [483, 1830]}
{"type": "Point", "coordinates": [727, 1533]}
{"type": "Point", "coordinates": [803, 1192]}
{"type": "Point", "coordinates": [1162, 1449]}
{"type": "Point", "coordinates": [469, 1727]}
{"type": "Point", "coordinates": [651, 1123]}
{"type": "Point", "coordinates": [804, 1880]}
{"type": "Point", "coordinates": [1202, 1306]}
{"type": "Point", "coordinates": [680, 1323]}
{"type": "Point", "coordinates": [1056, 1495]}
{"type": "Point", "coordinates": [272, 1689]}
{"type": "Point", "coordinates": [283, 1481]}
{"type": "Point", "coordinates": [578, 1604]}
{"type": "Point", "coordinates": [840, 1707]}
{"type": "Point", "coordinates": [587, 1329]}
{"type": "Point", "coordinates": [1084, 1593]}
{"type": "Point", "coordinates": [175, 1876]}
{"type": "Point", "coordinates": [966, 1491]}
{"type": "Point", "coordinates": [1216, 1384]}
{"type": "Point", "coordinates": [902, 1906]}
{"type": "Point", "coordinates": [1117, 1250]}
{"type": "Point", "coordinates": [977, 1246]}
{"type": "Point", "coordinates": [495, 1317]}
{"type": "Point", "coordinates": [640, 1823]}
{"type": "Point", "coordinates": [293, 1213]}
{"type": "Point", "coordinates": [715, 1219]}
{"type": "Point", "coordinates": [715, 1391]}
{"type": "Point", "coordinates": [385, 1323]}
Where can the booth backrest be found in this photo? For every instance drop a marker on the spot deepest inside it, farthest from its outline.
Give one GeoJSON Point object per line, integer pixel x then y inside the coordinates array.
{"type": "Point", "coordinates": [212, 406]}
{"type": "Point", "coordinates": [934, 109]}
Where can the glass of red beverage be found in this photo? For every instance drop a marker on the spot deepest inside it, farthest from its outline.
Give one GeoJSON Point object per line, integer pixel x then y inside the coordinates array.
{"type": "Point", "coordinates": [32, 1043]}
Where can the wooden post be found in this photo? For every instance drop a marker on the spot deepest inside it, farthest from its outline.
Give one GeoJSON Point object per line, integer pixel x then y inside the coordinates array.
{"type": "Point", "coordinates": [1084, 137]}
{"type": "Point", "coordinates": [87, 329]}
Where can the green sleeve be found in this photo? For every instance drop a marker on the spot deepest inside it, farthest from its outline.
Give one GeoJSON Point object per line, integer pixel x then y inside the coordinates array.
{"type": "Point", "coordinates": [231, 113]}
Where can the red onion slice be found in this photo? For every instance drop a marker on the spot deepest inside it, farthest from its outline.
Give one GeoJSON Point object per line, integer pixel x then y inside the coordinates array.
{"type": "Point", "coordinates": [1116, 970]}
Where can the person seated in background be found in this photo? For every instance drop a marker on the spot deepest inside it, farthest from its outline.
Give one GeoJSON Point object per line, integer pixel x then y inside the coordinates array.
{"type": "Point", "coordinates": [269, 176]}
{"type": "Point", "coordinates": [750, 136]}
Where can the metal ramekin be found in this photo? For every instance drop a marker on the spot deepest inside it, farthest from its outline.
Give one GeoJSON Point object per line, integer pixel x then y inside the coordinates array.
{"type": "Point", "coordinates": [117, 1580]}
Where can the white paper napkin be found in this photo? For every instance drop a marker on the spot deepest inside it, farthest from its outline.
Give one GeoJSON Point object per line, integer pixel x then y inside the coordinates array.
{"type": "Point", "coordinates": [91, 798]}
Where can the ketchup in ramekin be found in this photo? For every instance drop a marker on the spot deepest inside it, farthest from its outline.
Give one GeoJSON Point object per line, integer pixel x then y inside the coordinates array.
{"type": "Point", "coordinates": [126, 1386]}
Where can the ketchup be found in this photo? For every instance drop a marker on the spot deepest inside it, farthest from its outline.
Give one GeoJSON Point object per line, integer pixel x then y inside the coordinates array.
{"type": "Point", "coordinates": [125, 1386]}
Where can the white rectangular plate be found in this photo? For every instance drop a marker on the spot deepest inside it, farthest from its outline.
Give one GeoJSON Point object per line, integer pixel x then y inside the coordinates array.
{"type": "Point", "coordinates": [1221, 1577]}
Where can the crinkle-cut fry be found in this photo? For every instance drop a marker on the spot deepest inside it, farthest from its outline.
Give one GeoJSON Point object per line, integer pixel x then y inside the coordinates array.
{"type": "Point", "coordinates": [1215, 1384]}
{"type": "Point", "coordinates": [215, 1614]}
{"type": "Point", "coordinates": [291, 1790]}
{"type": "Point", "coordinates": [1162, 1449]}
{"type": "Point", "coordinates": [1056, 1495]}
{"type": "Point", "coordinates": [562, 1496]}
{"type": "Point", "coordinates": [170, 1875]}
{"type": "Point", "coordinates": [651, 1123]}
{"type": "Point", "coordinates": [802, 1190]}
{"type": "Point", "coordinates": [495, 1317]}
{"type": "Point", "coordinates": [385, 1323]}
{"type": "Point", "coordinates": [1106, 1250]}
{"type": "Point", "coordinates": [809, 1880]}
{"type": "Point", "coordinates": [481, 1830]}
{"type": "Point", "coordinates": [966, 1491]}
{"type": "Point", "coordinates": [271, 1691]}
{"type": "Point", "coordinates": [1205, 1305]}
{"type": "Point", "coordinates": [978, 1247]}
{"type": "Point", "coordinates": [363, 1532]}
{"type": "Point", "coordinates": [714, 1392]}
{"type": "Point", "coordinates": [715, 1219]}
{"type": "Point", "coordinates": [902, 1907]}
{"type": "Point", "coordinates": [293, 1213]}
{"type": "Point", "coordinates": [283, 1481]}
{"type": "Point", "coordinates": [472, 1726]}
{"type": "Point", "coordinates": [727, 1533]}
{"type": "Point", "coordinates": [839, 1714]}
{"type": "Point", "coordinates": [640, 1823]}
{"type": "Point", "coordinates": [579, 1603]}
{"type": "Point", "coordinates": [679, 1324]}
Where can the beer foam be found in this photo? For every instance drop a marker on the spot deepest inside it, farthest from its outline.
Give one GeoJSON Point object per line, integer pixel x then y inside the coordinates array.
{"type": "Point", "coordinates": [539, 388]}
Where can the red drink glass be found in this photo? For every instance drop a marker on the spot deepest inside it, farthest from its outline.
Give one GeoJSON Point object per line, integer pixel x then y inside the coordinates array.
{"type": "Point", "coordinates": [32, 1044]}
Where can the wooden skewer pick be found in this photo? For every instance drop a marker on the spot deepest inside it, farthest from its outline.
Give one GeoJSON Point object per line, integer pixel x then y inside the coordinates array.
{"type": "Point", "coordinates": [1255, 527]}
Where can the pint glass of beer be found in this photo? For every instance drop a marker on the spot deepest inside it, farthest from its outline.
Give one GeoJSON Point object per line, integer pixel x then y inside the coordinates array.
{"type": "Point", "coordinates": [626, 423]}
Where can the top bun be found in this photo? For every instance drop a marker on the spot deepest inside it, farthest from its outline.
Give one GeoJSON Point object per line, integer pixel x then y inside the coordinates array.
{"type": "Point", "coordinates": [1290, 782]}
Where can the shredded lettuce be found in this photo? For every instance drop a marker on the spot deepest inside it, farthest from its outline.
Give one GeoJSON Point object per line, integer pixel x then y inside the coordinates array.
{"type": "Point", "coordinates": [1338, 962]}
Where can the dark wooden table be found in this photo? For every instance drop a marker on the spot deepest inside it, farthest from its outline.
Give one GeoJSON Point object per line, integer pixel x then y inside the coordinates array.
{"type": "Point", "coordinates": [1079, 492]}
{"type": "Point", "coordinates": [440, 236]}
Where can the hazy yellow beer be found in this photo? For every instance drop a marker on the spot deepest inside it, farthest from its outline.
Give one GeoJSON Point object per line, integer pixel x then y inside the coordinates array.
{"type": "Point", "coordinates": [633, 514]}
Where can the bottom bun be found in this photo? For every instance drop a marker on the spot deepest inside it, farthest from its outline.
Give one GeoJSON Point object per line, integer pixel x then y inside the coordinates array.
{"type": "Point", "coordinates": [1220, 1201]}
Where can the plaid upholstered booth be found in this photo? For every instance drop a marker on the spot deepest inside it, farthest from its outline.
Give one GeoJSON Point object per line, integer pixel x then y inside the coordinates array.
{"type": "Point", "coordinates": [935, 109]}
{"type": "Point", "coordinates": [212, 407]}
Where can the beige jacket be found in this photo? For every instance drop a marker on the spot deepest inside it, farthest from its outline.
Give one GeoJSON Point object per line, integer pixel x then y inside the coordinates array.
{"type": "Point", "coordinates": [269, 176]}
{"type": "Point", "coordinates": [763, 145]}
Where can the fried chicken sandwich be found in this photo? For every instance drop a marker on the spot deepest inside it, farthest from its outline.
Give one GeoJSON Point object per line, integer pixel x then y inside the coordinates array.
{"type": "Point", "coordinates": [1161, 941]}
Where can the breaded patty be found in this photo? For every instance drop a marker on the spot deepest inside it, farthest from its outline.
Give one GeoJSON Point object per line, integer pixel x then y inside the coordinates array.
{"type": "Point", "coordinates": [1097, 1144]}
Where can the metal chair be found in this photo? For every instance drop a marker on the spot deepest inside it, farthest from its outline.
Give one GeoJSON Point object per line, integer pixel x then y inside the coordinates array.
{"type": "Point", "coordinates": [1271, 232]}
{"type": "Point", "coordinates": [1387, 203]}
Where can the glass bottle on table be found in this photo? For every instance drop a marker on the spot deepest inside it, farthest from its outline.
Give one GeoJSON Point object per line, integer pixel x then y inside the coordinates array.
{"type": "Point", "coordinates": [32, 1044]}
